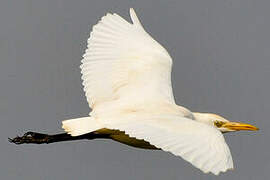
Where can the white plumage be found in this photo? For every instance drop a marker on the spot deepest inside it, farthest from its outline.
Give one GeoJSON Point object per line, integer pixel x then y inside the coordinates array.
{"type": "Point", "coordinates": [123, 61]}
{"type": "Point", "coordinates": [127, 80]}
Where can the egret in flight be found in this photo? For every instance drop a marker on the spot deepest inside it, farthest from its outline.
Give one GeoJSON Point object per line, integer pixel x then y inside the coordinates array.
{"type": "Point", "coordinates": [127, 81]}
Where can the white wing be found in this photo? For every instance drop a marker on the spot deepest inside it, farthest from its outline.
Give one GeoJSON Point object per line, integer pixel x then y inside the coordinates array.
{"type": "Point", "coordinates": [200, 144]}
{"type": "Point", "coordinates": [124, 62]}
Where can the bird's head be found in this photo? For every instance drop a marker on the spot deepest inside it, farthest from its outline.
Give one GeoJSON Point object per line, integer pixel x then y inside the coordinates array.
{"type": "Point", "coordinates": [222, 124]}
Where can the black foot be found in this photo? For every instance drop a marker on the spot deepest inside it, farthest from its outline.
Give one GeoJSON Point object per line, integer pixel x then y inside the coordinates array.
{"type": "Point", "coordinates": [31, 137]}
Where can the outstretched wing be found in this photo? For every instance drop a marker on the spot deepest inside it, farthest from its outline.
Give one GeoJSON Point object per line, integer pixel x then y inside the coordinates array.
{"type": "Point", "coordinates": [123, 61]}
{"type": "Point", "coordinates": [200, 144]}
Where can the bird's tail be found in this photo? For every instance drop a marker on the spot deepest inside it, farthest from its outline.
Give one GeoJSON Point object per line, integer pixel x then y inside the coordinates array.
{"type": "Point", "coordinates": [80, 126]}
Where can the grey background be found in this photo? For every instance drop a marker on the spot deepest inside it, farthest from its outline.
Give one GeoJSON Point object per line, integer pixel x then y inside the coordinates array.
{"type": "Point", "coordinates": [221, 52]}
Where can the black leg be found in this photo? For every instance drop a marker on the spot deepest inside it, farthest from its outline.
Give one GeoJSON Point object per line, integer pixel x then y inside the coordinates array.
{"type": "Point", "coordinates": [119, 136]}
{"type": "Point", "coordinates": [39, 138]}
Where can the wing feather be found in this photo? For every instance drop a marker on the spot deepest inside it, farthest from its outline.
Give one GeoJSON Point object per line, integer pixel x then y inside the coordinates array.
{"type": "Point", "coordinates": [200, 144]}
{"type": "Point", "coordinates": [123, 61]}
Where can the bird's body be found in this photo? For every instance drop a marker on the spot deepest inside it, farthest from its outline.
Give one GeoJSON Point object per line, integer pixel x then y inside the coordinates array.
{"type": "Point", "coordinates": [127, 80]}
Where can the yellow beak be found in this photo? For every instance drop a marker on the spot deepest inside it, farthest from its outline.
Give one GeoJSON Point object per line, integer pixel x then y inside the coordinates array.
{"type": "Point", "coordinates": [235, 126]}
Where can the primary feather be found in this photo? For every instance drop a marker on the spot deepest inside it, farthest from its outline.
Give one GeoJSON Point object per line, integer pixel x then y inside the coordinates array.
{"type": "Point", "coordinates": [205, 148]}
{"type": "Point", "coordinates": [127, 80]}
{"type": "Point", "coordinates": [123, 63]}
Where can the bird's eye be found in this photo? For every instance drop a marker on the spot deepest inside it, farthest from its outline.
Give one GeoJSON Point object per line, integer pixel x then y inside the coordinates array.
{"type": "Point", "coordinates": [218, 123]}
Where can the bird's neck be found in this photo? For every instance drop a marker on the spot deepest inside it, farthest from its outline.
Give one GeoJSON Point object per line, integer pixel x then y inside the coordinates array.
{"type": "Point", "coordinates": [202, 117]}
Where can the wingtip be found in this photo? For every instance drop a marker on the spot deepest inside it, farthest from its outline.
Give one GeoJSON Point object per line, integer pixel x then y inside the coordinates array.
{"type": "Point", "coordinates": [134, 17]}
{"type": "Point", "coordinates": [223, 171]}
{"type": "Point", "coordinates": [132, 11]}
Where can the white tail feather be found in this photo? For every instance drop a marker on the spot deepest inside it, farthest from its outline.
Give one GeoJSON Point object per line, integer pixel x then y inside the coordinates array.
{"type": "Point", "coordinates": [80, 126]}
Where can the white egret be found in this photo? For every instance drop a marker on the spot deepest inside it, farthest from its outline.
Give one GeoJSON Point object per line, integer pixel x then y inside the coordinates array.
{"type": "Point", "coordinates": [127, 80]}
